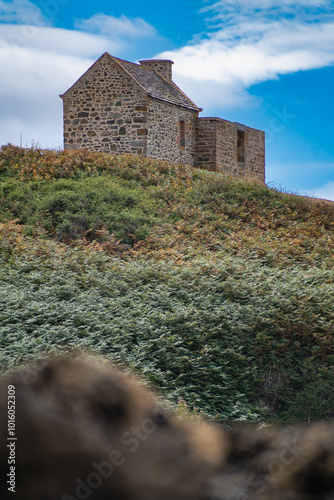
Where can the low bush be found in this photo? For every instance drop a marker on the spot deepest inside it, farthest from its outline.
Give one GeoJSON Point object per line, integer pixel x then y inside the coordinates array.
{"type": "Point", "coordinates": [71, 209]}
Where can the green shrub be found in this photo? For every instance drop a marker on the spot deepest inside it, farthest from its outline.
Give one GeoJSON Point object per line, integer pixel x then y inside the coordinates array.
{"type": "Point", "coordinates": [72, 209]}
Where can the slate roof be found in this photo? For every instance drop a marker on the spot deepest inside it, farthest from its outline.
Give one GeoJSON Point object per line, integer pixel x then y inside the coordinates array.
{"type": "Point", "coordinates": [156, 86]}
{"type": "Point", "coordinates": [151, 82]}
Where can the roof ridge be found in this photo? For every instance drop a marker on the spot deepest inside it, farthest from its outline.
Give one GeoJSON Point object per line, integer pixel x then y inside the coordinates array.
{"type": "Point", "coordinates": [131, 76]}
{"type": "Point", "coordinates": [124, 60]}
{"type": "Point", "coordinates": [170, 83]}
{"type": "Point", "coordinates": [150, 81]}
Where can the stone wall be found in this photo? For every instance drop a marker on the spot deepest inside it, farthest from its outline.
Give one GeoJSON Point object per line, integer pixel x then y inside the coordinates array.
{"type": "Point", "coordinates": [205, 143]}
{"type": "Point", "coordinates": [255, 153]}
{"type": "Point", "coordinates": [227, 159]}
{"type": "Point", "coordinates": [164, 133]}
{"type": "Point", "coordinates": [230, 148]}
{"type": "Point", "coordinates": [106, 111]}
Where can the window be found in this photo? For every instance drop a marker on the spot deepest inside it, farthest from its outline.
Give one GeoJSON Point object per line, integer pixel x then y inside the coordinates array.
{"type": "Point", "coordinates": [241, 146]}
{"type": "Point", "coordinates": [182, 134]}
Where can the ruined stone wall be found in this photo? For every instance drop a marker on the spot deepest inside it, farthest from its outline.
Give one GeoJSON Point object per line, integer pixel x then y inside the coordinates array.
{"type": "Point", "coordinates": [255, 154]}
{"type": "Point", "coordinates": [164, 133]}
{"type": "Point", "coordinates": [230, 148]}
{"type": "Point", "coordinates": [106, 112]}
{"type": "Point", "coordinates": [227, 148]}
{"type": "Point", "coordinates": [205, 144]}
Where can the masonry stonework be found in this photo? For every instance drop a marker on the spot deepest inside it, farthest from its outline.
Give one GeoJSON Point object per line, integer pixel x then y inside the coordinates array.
{"type": "Point", "coordinates": [164, 138]}
{"type": "Point", "coordinates": [125, 108]}
{"type": "Point", "coordinates": [161, 66]}
{"type": "Point", "coordinates": [106, 112]}
{"type": "Point", "coordinates": [230, 148]}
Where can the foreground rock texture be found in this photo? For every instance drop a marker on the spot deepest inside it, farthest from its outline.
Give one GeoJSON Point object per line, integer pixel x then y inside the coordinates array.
{"type": "Point", "coordinates": [86, 430]}
{"type": "Point", "coordinates": [121, 107]}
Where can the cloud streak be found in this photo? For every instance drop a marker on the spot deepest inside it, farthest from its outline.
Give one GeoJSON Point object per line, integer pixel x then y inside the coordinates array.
{"type": "Point", "coordinates": [258, 54]}
{"type": "Point", "coordinates": [232, 11]}
{"type": "Point", "coordinates": [21, 11]}
{"type": "Point", "coordinates": [247, 45]}
{"type": "Point", "coordinates": [119, 27]}
{"type": "Point", "coordinates": [51, 40]}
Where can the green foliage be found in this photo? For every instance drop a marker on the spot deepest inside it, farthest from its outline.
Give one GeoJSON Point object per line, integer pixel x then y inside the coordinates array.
{"type": "Point", "coordinates": [219, 291]}
{"type": "Point", "coordinates": [207, 333]}
{"type": "Point", "coordinates": [309, 398]}
{"type": "Point", "coordinates": [72, 209]}
{"type": "Point", "coordinates": [195, 211]}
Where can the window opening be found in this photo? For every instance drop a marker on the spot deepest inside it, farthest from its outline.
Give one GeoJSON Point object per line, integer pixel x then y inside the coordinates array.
{"type": "Point", "coordinates": [241, 146]}
{"type": "Point", "coordinates": [182, 134]}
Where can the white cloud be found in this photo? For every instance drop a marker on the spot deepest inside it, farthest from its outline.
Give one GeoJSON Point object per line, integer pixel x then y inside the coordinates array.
{"type": "Point", "coordinates": [22, 12]}
{"type": "Point", "coordinates": [233, 10]}
{"type": "Point", "coordinates": [264, 4]}
{"type": "Point", "coordinates": [210, 94]}
{"type": "Point", "coordinates": [37, 63]}
{"type": "Point", "coordinates": [283, 48]}
{"type": "Point", "coordinates": [32, 75]}
{"type": "Point", "coordinates": [53, 40]}
{"type": "Point", "coordinates": [117, 27]}
{"type": "Point", "coordinates": [253, 46]}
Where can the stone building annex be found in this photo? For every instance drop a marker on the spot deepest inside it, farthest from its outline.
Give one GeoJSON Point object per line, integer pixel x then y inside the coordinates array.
{"type": "Point", "coordinates": [121, 107]}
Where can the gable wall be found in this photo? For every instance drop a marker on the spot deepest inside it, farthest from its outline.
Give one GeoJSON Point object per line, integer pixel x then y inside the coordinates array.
{"type": "Point", "coordinates": [106, 111]}
{"type": "Point", "coordinates": [164, 141]}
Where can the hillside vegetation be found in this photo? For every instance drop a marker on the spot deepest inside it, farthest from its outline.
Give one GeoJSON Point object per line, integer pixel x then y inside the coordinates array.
{"type": "Point", "coordinates": [219, 291]}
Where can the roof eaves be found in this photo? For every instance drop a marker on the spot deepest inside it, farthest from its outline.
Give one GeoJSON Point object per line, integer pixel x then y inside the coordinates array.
{"type": "Point", "coordinates": [185, 95]}
{"type": "Point", "coordinates": [179, 105]}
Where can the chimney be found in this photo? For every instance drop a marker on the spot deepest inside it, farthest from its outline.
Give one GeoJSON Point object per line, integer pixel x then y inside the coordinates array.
{"type": "Point", "coordinates": [161, 66]}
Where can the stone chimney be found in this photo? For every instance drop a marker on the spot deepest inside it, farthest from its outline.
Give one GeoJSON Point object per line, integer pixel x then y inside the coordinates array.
{"type": "Point", "coordinates": [161, 66]}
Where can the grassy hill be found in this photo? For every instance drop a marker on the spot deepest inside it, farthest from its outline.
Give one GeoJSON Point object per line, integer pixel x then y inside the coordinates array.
{"type": "Point", "coordinates": [219, 291]}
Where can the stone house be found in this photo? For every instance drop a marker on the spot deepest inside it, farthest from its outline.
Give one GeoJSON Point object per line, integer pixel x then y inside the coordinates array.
{"type": "Point", "coordinates": [120, 107]}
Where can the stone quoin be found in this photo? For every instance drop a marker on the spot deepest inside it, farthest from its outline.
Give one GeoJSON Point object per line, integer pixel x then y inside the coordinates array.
{"type": "Point", "coordinates": [125, 108]}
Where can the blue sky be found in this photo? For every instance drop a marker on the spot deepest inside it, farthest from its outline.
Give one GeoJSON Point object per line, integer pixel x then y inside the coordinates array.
{"type": "Point", "coordinates": [266, 63]}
